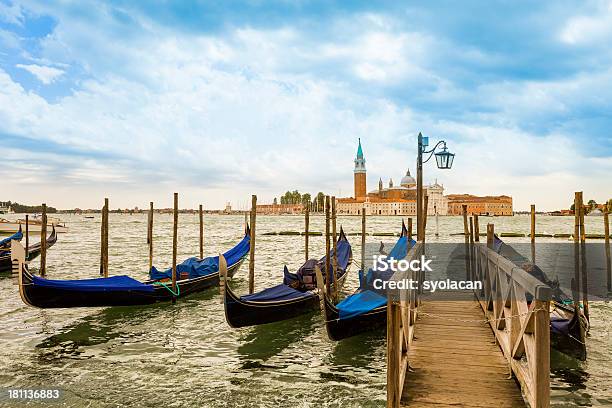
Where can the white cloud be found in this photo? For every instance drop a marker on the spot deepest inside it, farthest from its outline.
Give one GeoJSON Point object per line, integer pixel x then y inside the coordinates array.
{"type": "Point", "coordinates": [44, 74]}
{"type": "Point", "coordinates": [581, 30]}
{"type": "Point", "coordinates": [11, 13]}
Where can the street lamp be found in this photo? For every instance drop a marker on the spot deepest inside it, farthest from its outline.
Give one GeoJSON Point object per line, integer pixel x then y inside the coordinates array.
{"type": "Point", "coordinates": [444, 160]}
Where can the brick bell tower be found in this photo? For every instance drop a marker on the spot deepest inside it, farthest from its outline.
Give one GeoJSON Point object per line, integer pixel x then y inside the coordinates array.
{"type": "Point", "coordinates": [360, 174]}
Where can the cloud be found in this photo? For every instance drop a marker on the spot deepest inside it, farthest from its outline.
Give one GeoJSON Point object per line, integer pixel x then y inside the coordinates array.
{"type": "Point", "coordinates": [11, 13]}
{"type": "Point", "coordinates": [44, 74]}
{"type": "Point", "coordinates": [587, 29]}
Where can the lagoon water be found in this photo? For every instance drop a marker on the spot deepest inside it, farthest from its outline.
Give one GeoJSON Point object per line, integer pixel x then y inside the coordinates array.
{"type": "Point", "coordinates": [185, 355]}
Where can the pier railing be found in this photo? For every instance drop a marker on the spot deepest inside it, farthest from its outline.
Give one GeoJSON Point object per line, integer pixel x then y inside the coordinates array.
{"type": "Point", "coordinates": [402, 312]}
{"type": "Point", "coordinates": [516, 306]}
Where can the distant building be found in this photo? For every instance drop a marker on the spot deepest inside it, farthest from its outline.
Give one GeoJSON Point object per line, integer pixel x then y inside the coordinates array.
{"type": "Point", "coordinates": [277, 209]}
{"type": "Point", "coordinates": [391, 200]}
{"type": "Point", "coordinates": [487, 205]}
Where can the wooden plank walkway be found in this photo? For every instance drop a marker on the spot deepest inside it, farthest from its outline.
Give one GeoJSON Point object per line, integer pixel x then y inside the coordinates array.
{"type": "Point", "coordinates": [457, 363]}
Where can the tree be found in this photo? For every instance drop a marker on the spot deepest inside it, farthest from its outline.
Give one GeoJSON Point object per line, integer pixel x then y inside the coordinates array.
{"type": "Point", "coordinates": [592, 204]}
{"type": "Point", "coordinates": [573, 207]}
{"type": "Point", "coordinates": [320, 201]}
{"type": "Point", "coordinates": [306, 199]}
{"type": "Point", "coordinates": [610, 205]}
{"type": "Point", "coordinates": [275, 201]}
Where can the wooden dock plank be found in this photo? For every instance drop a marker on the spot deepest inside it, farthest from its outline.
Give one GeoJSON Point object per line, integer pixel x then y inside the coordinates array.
{"type": "Point", "coordinates": [457, 363]}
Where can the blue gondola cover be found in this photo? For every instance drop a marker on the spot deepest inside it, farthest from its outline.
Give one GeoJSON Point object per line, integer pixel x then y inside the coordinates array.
{"type": "Point", "coordinates": [7, 241]}
{"type": "Point", "coordinates": [193, 267]}
{"type": "Point", "coordinates": [112, 284]}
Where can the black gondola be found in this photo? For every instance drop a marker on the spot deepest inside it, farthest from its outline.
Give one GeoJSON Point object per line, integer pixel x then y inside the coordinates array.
{"type": "Point", "coordinates": [295, 296]}
{"type": "Point", "coordinates": [33, 252]}
{"type": "Point", "coordinates": [118, 290]}
{"type": "Point", "coordinates": [568, 324]}
{"type": "Point", "coordinates": [373, 305]}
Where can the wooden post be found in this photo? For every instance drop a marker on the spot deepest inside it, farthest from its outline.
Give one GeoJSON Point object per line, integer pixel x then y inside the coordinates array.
{"type": "Point", "coordinates": [252, 245]}
{"type": "Point", "coordinates": [607, 249]}
{"type": "Point", "coordinates": [490, 235]}
{"type": "Point", "coordinates": [476, 229]}
{"type": "Point", "coordinates": [201, 232]}
{"type": "Point", "coordinates": [533, 223]}
{"type": "Point", "coordinates": [471, 250]}
{"type": "Point", "coordinates": [174, 245]}
{"type": "Point", "coordinates": [465, 221]}
{"type": "Point", "coordinates": [576, 280]}
{"type": "Point", "coordinates": [410, 228]}
{"type": "Point", "coordinates": [394, 354]}
{"type": "Point", "coordinates": [27, 233]}
{"type": "Point", "coordinates": [150, 235]}
{"type": "Point", "coordinates": [583, 267]}
{"type": "Point", "coordinates": [419, 192]}
{"type": "Point", "coordinates": [105, 263]}
{"type": "Point", "coordinates": [363, 238]}
{"type": "Point", "coordinates": [335, 246]}
{"type": "Point", "coordinates": [425, 205]}
{"type": "Point", "coordinates": [327, 247]}
{"type": "Point", "coordinates": [43, 242]}
{"type": "Point", "coordinates": [306, 230]}
{"type": "Point", "coordinates": [541, 373]}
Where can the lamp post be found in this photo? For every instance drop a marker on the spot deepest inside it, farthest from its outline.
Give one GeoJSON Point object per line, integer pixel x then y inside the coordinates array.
{"type": "Point", "coordinates": [444, 160]}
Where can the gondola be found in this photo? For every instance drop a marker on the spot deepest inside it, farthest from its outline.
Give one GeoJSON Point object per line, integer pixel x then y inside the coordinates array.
{"type": "Point", "coordinates": [123, 290]}
{"type": "Point", "coordinates": [33, 251]}
{"type": "Point", "coordinates": [297, 295]}
{"type": "Point", "coordinates": [366, 309]}
{"type": "Point", "coordinates": [568, 324]}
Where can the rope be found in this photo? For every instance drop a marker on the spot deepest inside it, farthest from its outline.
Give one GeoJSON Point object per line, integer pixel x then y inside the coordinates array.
{"type": "Point", "coordinates": [178, 288]}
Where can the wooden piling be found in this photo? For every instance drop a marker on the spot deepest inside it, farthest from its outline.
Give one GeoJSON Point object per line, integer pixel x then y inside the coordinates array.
{"type": "Point", "coordinates": [27, 236]}
{"type": "Point", "coordinates": [201, 213]}
{"type": "Point", "coordinates": [583, 266]}
{"type": "Point", "coordinates": [335, 247]}
{"type": "Point", "coordinates": [306, 230]}
{"type": "Point", "coordinates": [174, 245]}
{"type": "Point", "coordinates": [607, 249]}
{"type": "Point", "coordinates": [363, 238]}
{"type": "Point", "coordinates": [533, 223]}
{"type": "Point", "coordinates": [252, 245]}
{"type": "Point", "coordinates": [490, 236]}
{"type": "Point", "coordinates": [576, 280]}
{"type": "Point", "coordinates": [43, 242]}
{"type": "Point", "coordinates": [104, 249]}
{"type": "Point", "coordinates": [150, 235]}
{"type": "Point", "coordinates": [476, 229]}
{"type": "Point", "coordinates": [410, 228]}
{"type": "Point", "coordinates": [465, 220]}
{"type": "Point", "coordinates": [425, 208]}
{"type": "Point", "coordinates": [327, 246]}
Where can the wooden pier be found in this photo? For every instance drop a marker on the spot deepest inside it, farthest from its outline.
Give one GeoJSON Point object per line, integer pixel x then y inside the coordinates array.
{"type": "Point", "coordinates": [482, 348]}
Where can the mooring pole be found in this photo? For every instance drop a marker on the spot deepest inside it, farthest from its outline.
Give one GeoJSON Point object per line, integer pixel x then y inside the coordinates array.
{"type": "Point", "coordinates": [106, 221]}
{"type": "Point", "coordinates": [335, 246]}
{"type": "Point", "coordinates": [576, 280]}
{"type": "Point", "coordinates": [607, 249]}
{"type": "Point", "coordinates": [476, 229]}
{"type": "Point", "coordinates": [43, 242]}
{"type": "Point", "coordinates": [583, 266]}
{"type": "Point", "coordinates": [437, 221]}
{"type": "Point", "coordinates": [425, 207]}
{"type": "Point", "coordinates": [490, 236]}
{"type": "Point", "coordinates": [150, 235]}
{"type": "Point", "coordinates": [252, 244]}
{"type": "Point", "coordinates": [306, 231]}
{"type": "Point", "coordinates": [327, 247]}
{"type": "Point", "coordinates": [363, 238]}
{"type": "Point", "coordinates": [533, 233]}
{"type": "Point", "coordinates": [201, 232]}
{"type": "Point", "coordinates": [410, 228]}
{"type": "Point", "coordinates": [27, 232]}
{"type": "Point", "coordinates": [419, 194]}
{"type": "Point", "coordinates": [174, 246]}
{"type": "Point", "coordinates": [471, 248]}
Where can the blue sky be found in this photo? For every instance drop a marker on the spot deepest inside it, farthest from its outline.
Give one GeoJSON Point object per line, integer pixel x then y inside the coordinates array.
{"type": "Point", "coordinates": [135, 100]}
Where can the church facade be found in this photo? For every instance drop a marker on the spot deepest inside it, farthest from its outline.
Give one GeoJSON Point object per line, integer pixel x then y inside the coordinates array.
{"type": "Point", "coordinates": [390, 199]}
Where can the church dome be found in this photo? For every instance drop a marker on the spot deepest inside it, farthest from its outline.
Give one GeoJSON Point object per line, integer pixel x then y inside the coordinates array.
{"type": "Point", "coordinates": [408, 180]}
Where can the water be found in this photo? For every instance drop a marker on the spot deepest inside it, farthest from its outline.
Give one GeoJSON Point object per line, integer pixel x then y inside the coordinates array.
{"type": "Point", "coordinates": [185, 355]}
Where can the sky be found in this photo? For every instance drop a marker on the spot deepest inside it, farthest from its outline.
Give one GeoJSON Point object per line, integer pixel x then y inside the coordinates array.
{"type": "Point", "coordinates": [220, 100]}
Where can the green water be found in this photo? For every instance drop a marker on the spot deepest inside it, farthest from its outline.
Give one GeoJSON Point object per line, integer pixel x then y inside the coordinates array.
{"type": "Point", "coordinates": [185, 355]}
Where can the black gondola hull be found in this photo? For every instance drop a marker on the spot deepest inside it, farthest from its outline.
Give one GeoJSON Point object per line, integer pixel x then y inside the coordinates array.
{"type": "Point", "coordinates": [34, 251]}
{"type": "Point", "coordinates": [338, 329]}
{"type": "Point", "coordinates": [239, 313]}
{"type": "Point", "coordinates": [49, 297]}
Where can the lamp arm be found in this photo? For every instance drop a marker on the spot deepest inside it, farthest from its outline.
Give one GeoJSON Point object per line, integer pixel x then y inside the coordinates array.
{"type": "Point", "coordinates": [431, 152]}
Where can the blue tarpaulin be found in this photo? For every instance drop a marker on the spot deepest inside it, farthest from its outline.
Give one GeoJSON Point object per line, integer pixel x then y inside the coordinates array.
{"type": "Point", "coordinates": [194, 267]}
{"type": "Point", "coordinates": [360, 303]}
{"type": "Point", "coordinates": [7, 241]}
{"type": "Point", "coordinates": [286, 292]}
{"type": "Point", "coordinates": [111, 284]}
{"type": "Point", "coordinates": [367, 299]}
{"type": "Point", "coordinates": [276, 293]}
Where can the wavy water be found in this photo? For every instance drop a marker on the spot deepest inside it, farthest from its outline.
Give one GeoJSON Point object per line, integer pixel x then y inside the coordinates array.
{"type": "Point", "coordinates": [185, 355]}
